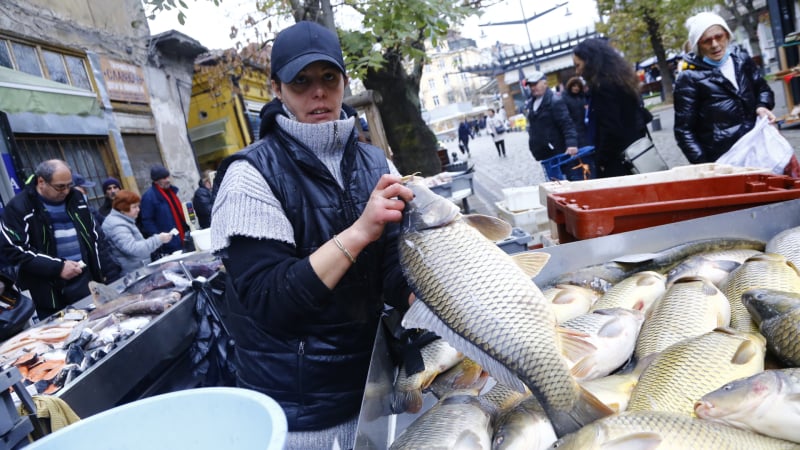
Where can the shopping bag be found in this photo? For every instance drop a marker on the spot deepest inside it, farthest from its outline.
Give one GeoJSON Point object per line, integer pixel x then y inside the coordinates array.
{"type": "Point", "coordinates": [763, 146]}
{"type": "Point", "coordinates": [643, 157]}
{"type": "Point", "coordinates": [500, 129]}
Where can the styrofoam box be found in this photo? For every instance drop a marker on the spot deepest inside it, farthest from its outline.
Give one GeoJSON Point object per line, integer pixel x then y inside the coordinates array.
{"type": "Point", "coordinates": [532, 220]}
{"type": "Point", "coordinates": [522, 198]}
{"type": "Point", "coordinates": [680, 173]}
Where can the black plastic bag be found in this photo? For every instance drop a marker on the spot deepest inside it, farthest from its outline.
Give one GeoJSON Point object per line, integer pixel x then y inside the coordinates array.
{"type": "Point", "coordinates": [15, 309]}
{"type": "Point", "coordinates": [212, 349]}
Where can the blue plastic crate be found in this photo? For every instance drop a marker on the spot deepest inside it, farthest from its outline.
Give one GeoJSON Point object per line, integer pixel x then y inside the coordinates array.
{"type": "Point", "coordinates": [572, 168]}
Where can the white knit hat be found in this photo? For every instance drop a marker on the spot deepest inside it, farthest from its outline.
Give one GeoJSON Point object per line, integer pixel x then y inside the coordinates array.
{"type": "Point", "coordinates": [699, 23]}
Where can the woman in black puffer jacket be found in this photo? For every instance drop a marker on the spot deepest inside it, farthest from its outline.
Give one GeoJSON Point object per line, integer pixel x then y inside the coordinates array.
{"type": "Point", "coordinates": [719, 94]}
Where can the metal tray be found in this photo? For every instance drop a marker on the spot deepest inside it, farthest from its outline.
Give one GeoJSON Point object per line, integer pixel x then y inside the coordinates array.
{"type": "Point", "coordinates": [377, 428]}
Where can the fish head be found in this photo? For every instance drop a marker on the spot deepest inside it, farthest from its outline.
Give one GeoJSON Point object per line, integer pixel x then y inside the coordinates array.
{"type": "Point", "coordinates": [764, 304]}
{"type": "Point", "coordinates": [427, 209]}
{"type": "Point", "coordinates": [738, 400]}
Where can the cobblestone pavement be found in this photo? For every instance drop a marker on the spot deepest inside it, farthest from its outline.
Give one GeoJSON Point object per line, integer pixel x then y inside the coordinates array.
{"type": "Point", "coordinates": [518, 168]}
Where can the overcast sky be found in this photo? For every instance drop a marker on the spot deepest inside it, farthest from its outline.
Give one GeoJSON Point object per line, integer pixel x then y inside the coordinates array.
{"type": "Point", "coordinates": [211, 25]}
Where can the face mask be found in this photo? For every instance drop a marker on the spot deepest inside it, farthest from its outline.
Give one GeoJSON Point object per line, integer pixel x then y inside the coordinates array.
{"type": "Point", "coordinates": [719, 63]}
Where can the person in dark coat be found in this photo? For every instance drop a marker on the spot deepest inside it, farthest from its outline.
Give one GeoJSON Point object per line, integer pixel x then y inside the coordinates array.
{"type": "Point", "coordinates": [306, 221]}
{"type": "Point", "coordinates": [162, 211]}
{"type": "Point", "coordinates": [464, 135]}
{"type": "Point", "coordinates": [578, 108]}
{"type": "Point", "coordinates": [110, 186]}
{"type": "Point", "coordinates": [111, 268]}
{"type": "Point", "coordinates": [550, 129]}
{"type": "Point", "coordinates": [50, 234]}
{"type": "Point", "coordinates": [616, 118]}
{"type": "Point", "coordinates": [203, 200]}
{"type": "Point", "coordinates": [719, 94]}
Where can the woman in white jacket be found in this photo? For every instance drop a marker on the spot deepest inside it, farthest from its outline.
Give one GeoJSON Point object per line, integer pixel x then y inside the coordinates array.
{"type": "Point", "coordinates": [128, 246]}
{"type": "Point", "coordinates": [497, 128]}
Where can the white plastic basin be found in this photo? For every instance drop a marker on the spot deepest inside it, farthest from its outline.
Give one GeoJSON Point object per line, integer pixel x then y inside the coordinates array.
{"type": "Point", "coordinates": [197, 419]}
{"type": "Point", "coordinates": [202, 239]}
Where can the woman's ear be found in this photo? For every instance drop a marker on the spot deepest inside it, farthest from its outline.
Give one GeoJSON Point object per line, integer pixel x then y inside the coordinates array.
{"type": "Point", "coordinates": [276, 88]}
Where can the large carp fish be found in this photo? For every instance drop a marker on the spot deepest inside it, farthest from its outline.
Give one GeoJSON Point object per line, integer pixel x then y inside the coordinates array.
{"type": "Point", "coordinates": [485, 304]}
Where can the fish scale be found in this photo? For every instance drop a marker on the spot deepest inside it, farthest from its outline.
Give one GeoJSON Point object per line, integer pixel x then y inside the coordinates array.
{"type": "Point", "coordinates": [500, 298]}
{"type": "Point", "coordinates": [658, 429]}
{"type": "Point", "coordinates": [687, 370]}
{"type": "Point", "coordinates": [768, 270]}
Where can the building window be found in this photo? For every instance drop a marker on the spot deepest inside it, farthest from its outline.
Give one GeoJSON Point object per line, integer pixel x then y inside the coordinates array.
{"type": "Point", "coordinates": [50, 63]}
{"type": "Point", "coordinates": [435, 100]}
{"type": "Point", "coordinates": [440, 64]}
{"type": "Point", "coordinates": [467, 92]}
{"type": "Point", "coordinates": [451, 98]}
{"type": "Point", "coordinates": [446, 80]}
{"type": "Point", "coordinates": [432, 83]}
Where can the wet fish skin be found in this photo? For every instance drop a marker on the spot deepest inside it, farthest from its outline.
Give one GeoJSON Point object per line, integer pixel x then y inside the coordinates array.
{"type": "Point", "coordinates": [777, 314]}
{"type": "Point", "coordinates": [524, 427]}
{"type": "Point", "coordinates": [457, 421]}
{"type": "Point", "coordinates": [437, 357]}
{"type": "Point", "coordinates": [638, 291]}
{"type": "Point", "coordinates": [787, 244]}
{"type": "Point", "coordinates": [713, 266]}
{"type": "Point", "coordinates": [472, 294]}
{"type": "Point", "coordinates": [767, 403]}
{"type": "Point", "coordinates": [613, 390]}
{"type": "Point", "coordinates": [768, 270]}
{"type": "Point", "coordinates": [687, 370]}
{"type": "Point", "coordinates": [569, 300]}
{"type": "Point", "coordinates": [602, 276]}
{"type": "Point", "coordinates": [599, 342]}
{"type": "Point", "coordinates": [467, 374]}
{"type": "Point", "coordinates": [664, 430]}
{"type": "Point", "coordinates": [690, 307]}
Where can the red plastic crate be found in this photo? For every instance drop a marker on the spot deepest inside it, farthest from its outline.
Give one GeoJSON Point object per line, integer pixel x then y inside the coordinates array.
{"type": "Point", "coordinates": [600, 212]}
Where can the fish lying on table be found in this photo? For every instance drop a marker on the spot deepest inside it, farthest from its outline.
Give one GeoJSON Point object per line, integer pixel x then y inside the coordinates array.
{"type": "Point", "coordinates": [767, 403]}
{"type": "Point", "coordinates": [777, 314]}
{"type": "Point", "coordinates": [480, 300]}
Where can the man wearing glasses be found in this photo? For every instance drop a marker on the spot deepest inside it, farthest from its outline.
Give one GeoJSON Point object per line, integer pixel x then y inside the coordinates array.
{"type": "Point", "coordinates": [49, 233]}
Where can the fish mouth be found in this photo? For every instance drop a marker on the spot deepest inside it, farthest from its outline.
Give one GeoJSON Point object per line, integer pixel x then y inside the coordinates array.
{"type": "Point", "coordinates": [703, 408]}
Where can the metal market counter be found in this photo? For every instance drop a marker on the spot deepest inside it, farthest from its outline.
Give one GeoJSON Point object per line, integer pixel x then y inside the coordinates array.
{"type": "Point", "coordinates": [152, 361]}
{"type": "Point", "coordinates": [377, 427]}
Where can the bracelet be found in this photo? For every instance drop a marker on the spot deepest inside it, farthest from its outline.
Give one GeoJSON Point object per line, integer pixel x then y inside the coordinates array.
{"type": "Point", "coordinates": [344, 250]}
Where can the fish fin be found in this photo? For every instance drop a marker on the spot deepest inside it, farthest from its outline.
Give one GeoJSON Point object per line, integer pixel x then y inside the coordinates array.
{"type": "Point", "coordinates": [586, 409]}
{"type": "Point", "coordinates": [531, 262]}
{"type": "Point", "coordinates": [643, 440]}
{"type": "Point", "coordinates": [583, 368]}
{"type": "Point", "coordinates": [635, 258]}
{"type": "Point", "coordinates": [420, 316]}
{"type": "Point", "coordinates": [492, 228]}
{"type": "Point", "coordinates": [407, 401]}
{"type": "Point", "coordinates": [102, 293]}
{"type": "Point", "coordinates": [745, 353]}
{"type": "Point", "coordinates": [574, 344]}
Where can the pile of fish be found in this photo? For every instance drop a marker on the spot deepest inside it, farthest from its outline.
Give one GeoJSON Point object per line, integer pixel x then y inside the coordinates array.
{"type": "Point", "coordinates": [693, 347]}
{"type": "Point", "coordinates": [54, 352]}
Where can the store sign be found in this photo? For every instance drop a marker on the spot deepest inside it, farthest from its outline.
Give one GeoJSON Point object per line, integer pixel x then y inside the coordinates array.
{"type": "Point", "coordinates": [124, 81]}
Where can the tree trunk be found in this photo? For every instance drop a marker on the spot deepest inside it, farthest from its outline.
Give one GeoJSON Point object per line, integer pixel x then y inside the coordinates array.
{"type": "Point", "coordinates": [654, 30]}
{"type": "Point", "coordinates": [413, 144]}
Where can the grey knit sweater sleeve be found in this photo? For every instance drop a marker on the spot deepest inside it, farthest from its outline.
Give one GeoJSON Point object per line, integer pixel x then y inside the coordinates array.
{"type": "Point", "coordinates": [246, 206]}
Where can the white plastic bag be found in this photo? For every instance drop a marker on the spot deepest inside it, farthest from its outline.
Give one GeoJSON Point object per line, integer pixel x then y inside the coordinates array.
{"type": "Point", "coordinates": [763, 146]}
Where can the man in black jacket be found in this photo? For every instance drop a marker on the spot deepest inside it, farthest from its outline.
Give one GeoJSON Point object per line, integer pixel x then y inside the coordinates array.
{"type": "Point", "coordinates": [550, 128]}
{"type": "Point", "coordinates": [49, 233]}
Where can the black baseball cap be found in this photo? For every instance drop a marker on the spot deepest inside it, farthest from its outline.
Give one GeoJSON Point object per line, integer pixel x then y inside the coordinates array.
{"type": "Point", "coordinates": [302, 44]}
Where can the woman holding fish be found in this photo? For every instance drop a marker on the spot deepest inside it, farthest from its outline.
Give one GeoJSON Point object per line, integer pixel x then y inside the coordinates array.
{"type": "Point", "coordinates": [305, 221]}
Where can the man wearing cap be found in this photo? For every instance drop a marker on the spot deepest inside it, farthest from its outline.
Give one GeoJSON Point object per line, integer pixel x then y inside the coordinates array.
{"type": "Point", "coordinates": [719, 93]}
{"type": "Point", "coordinates": [111, 268]}
{"type": "Point", "coordinates": [49, 233]}
{"type": "Point", "coordinates": [162, 211]}
{"type": "Point", "coordinates": [306, 220]}
{"type": "Point", "coordinates": [111, 186]}
{"type": "Point", "coordinates": [550, 128]}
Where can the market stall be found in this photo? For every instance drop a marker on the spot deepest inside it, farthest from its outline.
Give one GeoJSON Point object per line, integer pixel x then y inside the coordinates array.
{"type": "Point", "coordinates": [139, 362]}
{"type": "Point", "coordinates": [378, 427]}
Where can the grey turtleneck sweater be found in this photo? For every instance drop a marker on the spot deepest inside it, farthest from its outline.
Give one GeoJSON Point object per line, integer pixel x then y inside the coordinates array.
{"type": "Point", "coordinates": [245, 204]}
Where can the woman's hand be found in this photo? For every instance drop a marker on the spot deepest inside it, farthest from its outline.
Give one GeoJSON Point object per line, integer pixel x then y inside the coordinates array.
{"type": "Point", "coordinates": [572, 151]}
{"type": "Point", "coordinates": [383, 207]}
{"type": "Point", "coordinates": [164, 237]}
{"type": "Point", "coordinates": [764, 112]}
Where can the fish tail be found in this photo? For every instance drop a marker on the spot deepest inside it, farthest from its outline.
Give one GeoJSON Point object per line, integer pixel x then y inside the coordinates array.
{"type": "Point", "coordinates": [407, 401]}
{"type": "Point", "coordinates": [586, 409]}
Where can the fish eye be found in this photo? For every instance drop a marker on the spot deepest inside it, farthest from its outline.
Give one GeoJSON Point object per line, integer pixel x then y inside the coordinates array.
{"type": "Point", "coordinates": [727, 387]}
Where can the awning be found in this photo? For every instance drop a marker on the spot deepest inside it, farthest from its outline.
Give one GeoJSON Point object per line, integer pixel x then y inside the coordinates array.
{"type": "Point", "coordinates": [24, 93]}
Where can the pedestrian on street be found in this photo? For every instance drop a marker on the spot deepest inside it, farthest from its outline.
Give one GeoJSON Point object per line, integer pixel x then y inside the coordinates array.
{"type": "Point", "coordinates": [464, 135]}
{"type": "Point", "coordinates": [497, 129]}
{"type": "Point", "coordinates": [578, 108]}
{"type": "Point", "coordinates": [719, 93]}
{"type": "Point", "coordinates": [129, 247]}
{"type": "Point", "coordinates": [162, 211]}
{"type": "Point", "coordinates": [203, 200]}
{"type": "Point", "coordinates": [50, 234]}
{"type": "Point", "coordinates": [306, 220]}
{"type": "Point", "coordinates": [616, 113]}
{"type": "Point", "coordinates": [110, 186]}
{"type": "Point", "coordinates": [550, 129]}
